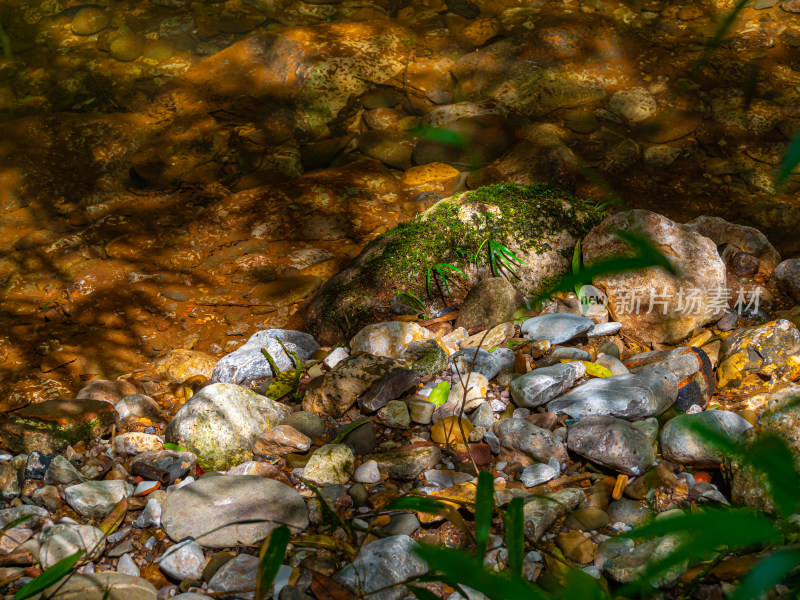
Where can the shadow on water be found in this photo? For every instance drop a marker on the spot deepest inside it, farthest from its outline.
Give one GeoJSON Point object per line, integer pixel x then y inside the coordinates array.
{"type": "Point", "coordinates": [146, 212]}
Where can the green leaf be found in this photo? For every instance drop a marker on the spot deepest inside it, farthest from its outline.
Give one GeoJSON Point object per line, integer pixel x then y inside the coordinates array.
{"type": "Point", "coordinates": [441, 136]}
{"type": "Point", "coordinates": [484, 508]}
{"type": "Point", "coordinates": [440, 393]}
{"type": "Point", "coordinates": [49, 577]}
{"type": "Point", "coordinates": [271, 559]}
{"type": "Point", "coordinates": [766, 574]}
{"type": "Point", "coordinates": [175, 447]}
{"type": "Point", "coordinates": [515, 536]}
{"type": "Point", "coordinates": [413, 297]}
{"type": "Point", "coordinates": [789, 161]}
{"type": "Point", "coordinates": [16, 522]}
{"type": "Point", "coordinates": [460, 568]}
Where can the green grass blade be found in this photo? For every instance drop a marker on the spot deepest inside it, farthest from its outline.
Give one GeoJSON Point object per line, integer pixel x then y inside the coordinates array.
{"type": "Point", "coordinates": [346, 431]}
{"type": "Point", "coordinates": [428, 283]}
{"type": "Point", "coordinates": [422, 593]}
{"type": "Point", "coordinates": [16, 522]}
{"type": "Point", "coordinates": [271, 560]}
{"type": "Point", "coordinates": [444, 279]}
{"type": "Point", "coordinates": [507, 253]}
{"type": "Point", "coordinates": [515, 536]}
{"type": "Point", "coordinates": [175, 447]}
{"type": "Point", "coordinates": [49, 577]}
{"type": "Point", "coordinates": [766, 574]}
{"type": "Point", "coordinates": [453, 268]}
{"type": "Point", "coordinates": [789, 161]}
{"type": "Point", "coordinates": [418, 504]}
{"type": "Point", "coordinates": [484, 508]}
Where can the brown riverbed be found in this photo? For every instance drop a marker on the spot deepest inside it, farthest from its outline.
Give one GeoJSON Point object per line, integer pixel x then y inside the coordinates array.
{"type": "Point", "coordinates": [182, 174]}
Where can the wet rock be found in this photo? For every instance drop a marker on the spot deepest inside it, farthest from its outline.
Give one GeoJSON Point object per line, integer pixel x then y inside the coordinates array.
{"type": "Point", "coordinates": [489, 302]}
{"type": "Point", "coordinates": [432, 179]}
{"type": "Point", "coordinates": [782, 417]}
{"type": "Point", "coordinates": [485, 138]}
{"type": "Point", "coordinates": [248, 363]}
{"type": "Point", "coordinates": [241, 573]}
{"type": "Point", "coordinates": [540, 513]}
{"type": "Point", "coordinates": [633, 104]}
{"type": "Point", "coordinates": [280, 441]}
{"type": "Point", "coordinates": [62, 471]}
{"type": "Point", "coordinates": [106, 390]}
{"type": "Point", "coordinates": [52, 425]}
{"type": "Point", "coordinates": [503, 71]}
{"type": "Point", "coordinates": [407, 464]}
{"type": "Point", "coordinates": [221, 423]}
{"type": "Point", "coordinates": [127, 47]}
{"type": "Point", "coordinates": [306, 423]}
{"type": "Point", "coordinates": [425, 357]}
{"type": "Point", "coordinates": [537, 474]}
{"type": "Point", "coordinates": [556, 328]}
{"type": "Point", "coordinates": [522, 436]}
{"type": "Point", "coordinates": [330, 464]}
{"type": "Point", "coordinates": [97, 586]}
{"type": "Point", "coordinates": [179, 365]}
{"type": "Point", "coordinates": [754, 354]}
{"type": "Point", "coordinates": [336, 391]}
{"type": "Point", "coordinates": [184, 561]}
{"type": "Point", "coordinates": [577, 546]}
{"type": "Point", "coordinates": [95, 499]}
{"type": "Point", "coordinates": [212, 510]}
{"type": "Point", "coordinates": [630, 294]}
{"type": "Point", "coordinates": [135, 443]}
{"type": "Point", "coordinates": [691, 366]}
{"type": "Point", "coordinates": [89, 20]}
{"type": "Point", "coordinates": [540, 386]}
{"type": "Point", "coordinates": [633, 396]}
{"type": "Point", "coordinates": [362, 439]}
{"type": "Point", "coordinates": [686, 446]}
{"type": "Point", "coordinates": [137, 406]}
{"type": "Point", "coordinates": [382, 564]}
{"type": "Point", "coordinates": [60, 541]}
{"type": "Point", "coordinates": [611, 442]}
{"type": "Point", "coordinates": [389, 338]}
{"type": "Point", "coordinates": [787, 276]}
{"type": "Point", "coordinates": [393, 149]}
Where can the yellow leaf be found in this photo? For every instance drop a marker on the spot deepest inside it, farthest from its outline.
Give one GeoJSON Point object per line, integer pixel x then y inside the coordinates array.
{"type": "Point", "coordinates": [326, 542]}
{"type": "Point", "coordinates": [592, 369]}
{"type": "Point", "coordinates": [115, 517]}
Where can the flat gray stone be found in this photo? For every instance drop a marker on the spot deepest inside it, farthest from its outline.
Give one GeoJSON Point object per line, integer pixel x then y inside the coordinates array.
{"type": "Point", "coordinates": [465, 361]}
{"type": "Point", "coordinates": [240, 510]}
{"type": "Point", "coordinates": [536, 442]}
{"type": "Point", "coordinates": [556, 328]}
{"type": "Point", "coordinates": [93, 587]}
{"type": "Point", "coordinates": [63, 540]}
{"type": "Point", "coordinates": [632, 396]}
{"type": "Point", "coordinates": [95, 499]}
{"type": "Point", "coordinates": [240, 573]}
{"type": "Point", "coordinates": [184, 561]}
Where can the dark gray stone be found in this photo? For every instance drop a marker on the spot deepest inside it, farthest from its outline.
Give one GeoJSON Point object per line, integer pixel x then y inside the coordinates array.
{"type": "Point", "coordinates": [522, 436]}
{"type": "Point", "coordinates": [490, 302]}
{"type": "Point", "coordinates": [540, 386]}
{"type": "Point", "coordinates": [684, 445]}
{"type": "Point", "coordinates": [389, 387]}
{"type": "Point", "coordinates": [611, 442]}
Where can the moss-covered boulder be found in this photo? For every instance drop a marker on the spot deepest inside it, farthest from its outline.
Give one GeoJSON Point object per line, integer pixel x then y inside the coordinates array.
{"type": "Point", "coordinates": [539, 224]}
{"type": "Point", "coordinates": [50, 426]}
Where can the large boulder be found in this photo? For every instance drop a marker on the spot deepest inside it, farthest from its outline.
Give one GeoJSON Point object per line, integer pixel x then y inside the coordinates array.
{"type": "Point", "coordinates": [611, 442]}
{"type": "Point", "coordinates": [537, 223]}
{"type": "Point", "coordinates": [683, 441]}
{"type": "Point", "coordinates": [222, 422]}
{"type": "Point", "coordinates": [651, 304]}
